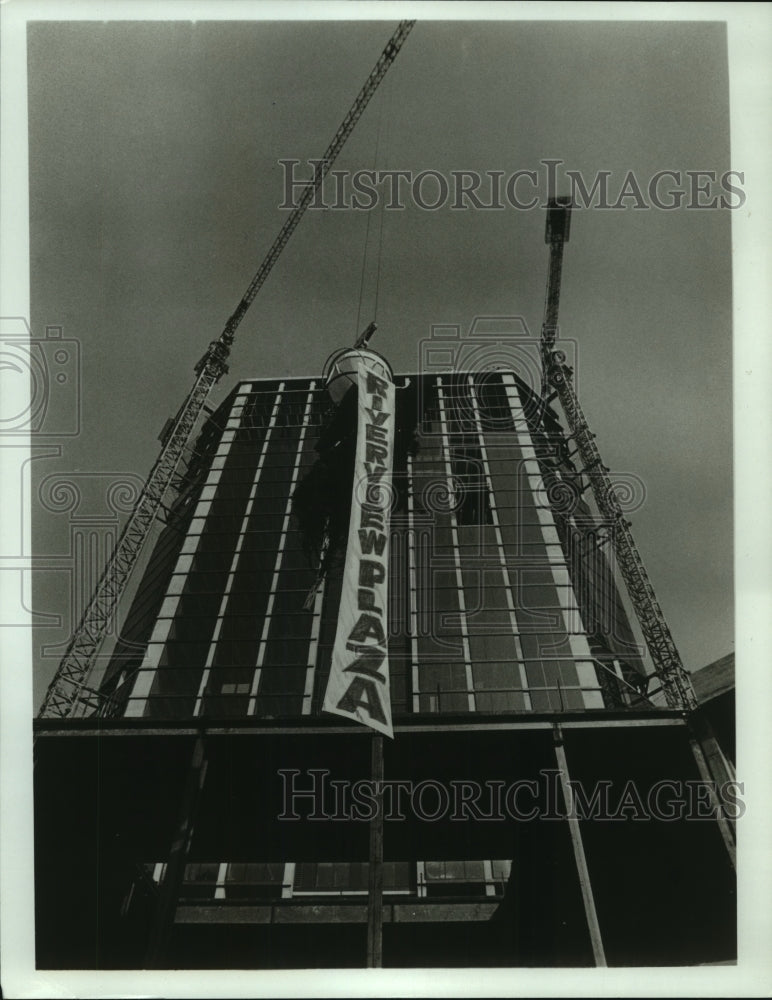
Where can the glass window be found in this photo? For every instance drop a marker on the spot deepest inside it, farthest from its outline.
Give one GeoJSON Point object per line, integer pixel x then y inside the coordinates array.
{"type": "Point", "coordinates": [465, 878]}
{"type": "Point", "coordinates": [254, 880]}
{"type": "Point", "coordinates": [472, 489]}
{"type": "Point", "coordinates": [199, 880]}
{"type": "Point", "coordinates": [230, 688]}
{"type": "Point", "coordinates": [344, 878]}
{"type": "Point", "coordinates": [454, 871]}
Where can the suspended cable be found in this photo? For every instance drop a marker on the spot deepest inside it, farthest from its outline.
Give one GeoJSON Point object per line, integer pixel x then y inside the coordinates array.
{"type": "Point", "coordinates": [369, 216]}
{"type": "Point", "coordinates": [389, 96]}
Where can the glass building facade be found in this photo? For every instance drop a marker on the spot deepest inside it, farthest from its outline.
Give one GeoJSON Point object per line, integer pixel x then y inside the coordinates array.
{"type": "Point", "coordinates": [501, 596]}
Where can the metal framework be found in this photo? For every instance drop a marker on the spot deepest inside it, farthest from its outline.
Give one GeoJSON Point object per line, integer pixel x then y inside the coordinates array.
{"type": "Point", "coordinates": [666, 660]}
{"type": "Point", "coordinates": [68, 694]}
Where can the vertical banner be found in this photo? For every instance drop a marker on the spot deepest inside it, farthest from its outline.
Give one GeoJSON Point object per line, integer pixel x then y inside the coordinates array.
{"type": "Point", "coordinates": [358, 686]}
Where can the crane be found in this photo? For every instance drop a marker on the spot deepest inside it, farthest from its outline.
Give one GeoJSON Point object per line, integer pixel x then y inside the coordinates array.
{"type": "Point", "coordinates": [69, 693]}
{"type": "Point", "coordinates": [675, 680]}
{"type": "Point", "coordinates": [676, 683]}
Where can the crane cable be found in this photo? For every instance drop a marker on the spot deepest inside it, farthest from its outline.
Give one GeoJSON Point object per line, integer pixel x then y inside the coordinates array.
{"type": "Point", "coordinates": [389, 97]}
{"type": "Point", "coordinates": [369, 217]}
{"type": "Point", "coordinates": [387, 104]}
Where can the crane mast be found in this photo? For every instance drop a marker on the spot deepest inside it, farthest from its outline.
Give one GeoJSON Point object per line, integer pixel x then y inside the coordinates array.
{"type": "Point", "coordinates": [69, 693]}
{"type": "Point", "coordinates": [666, 660]}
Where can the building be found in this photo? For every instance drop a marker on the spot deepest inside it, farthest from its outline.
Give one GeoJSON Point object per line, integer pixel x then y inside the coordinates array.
{"type": "Point", "coordinates": [213, 815]}
{"type": "Point", "coordinates": [714, 687]}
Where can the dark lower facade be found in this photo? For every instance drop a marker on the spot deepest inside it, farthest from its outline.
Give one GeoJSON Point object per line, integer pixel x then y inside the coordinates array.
{"type": "Point", "coordinates": [249, 845]}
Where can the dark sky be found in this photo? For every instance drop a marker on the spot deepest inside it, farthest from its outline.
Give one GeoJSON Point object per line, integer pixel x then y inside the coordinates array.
{"type": "Point", "coordinates": [154, 193]}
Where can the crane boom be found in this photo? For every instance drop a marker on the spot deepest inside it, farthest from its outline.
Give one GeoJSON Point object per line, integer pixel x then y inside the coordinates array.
{"type": "Point", "coordinates": [69, 694]}
{"type": "Point", "coordinates": [666, 660]}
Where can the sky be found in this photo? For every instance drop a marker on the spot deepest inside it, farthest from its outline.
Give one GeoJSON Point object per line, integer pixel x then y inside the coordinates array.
{"type": "Point", "coordinates": [155, 181]}
{"type": "Point", "coordinates": [154, 185]}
